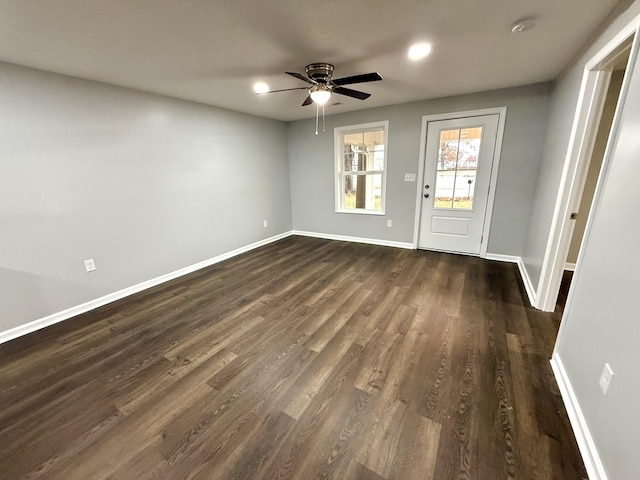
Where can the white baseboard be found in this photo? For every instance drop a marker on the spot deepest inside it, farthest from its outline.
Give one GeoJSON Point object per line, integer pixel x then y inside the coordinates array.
{"type": "Point", "coordinates": [502, 258]}
{"type": "Point", "coordinates": [587, 446]}
{"type": "Point", "coordinates": [570, 266]}
{"type": "Point", "coordinates": [528, 284]}
{"type": "Point", "coordinates": [524, 274]}
{"type": "Point", "coordinates": [112, 297]}
{"type": "Point", "coordinates": [344, 238]}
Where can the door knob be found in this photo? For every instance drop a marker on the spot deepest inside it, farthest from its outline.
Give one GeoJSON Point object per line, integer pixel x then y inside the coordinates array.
{"type": "Point", "coordinates": [427, 187]}
{"type": "Point", "coordinates": [426, 195]}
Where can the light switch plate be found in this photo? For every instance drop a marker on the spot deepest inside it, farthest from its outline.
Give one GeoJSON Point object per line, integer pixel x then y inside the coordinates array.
{"type": "Point", "coordinates": [89, 265]}
{"type": "Point", "coordinates": [409, 177]}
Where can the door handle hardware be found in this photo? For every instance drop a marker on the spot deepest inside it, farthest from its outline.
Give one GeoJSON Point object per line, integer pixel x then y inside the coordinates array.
{"type": "Point", "coordinates": [426, 187]}
{"type": "Point", "coordinates": [426, 195]}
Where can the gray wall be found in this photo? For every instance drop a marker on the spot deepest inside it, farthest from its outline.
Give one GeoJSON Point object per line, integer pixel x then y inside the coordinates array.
{"type": "Point", "coordinates": [143, 184]}
{"type": "Point", "coordinates": [311, 167]}
{"type": "Point", "coordinates": [563, 106]}
{"type": "Point", "coordinates": [601, 321]}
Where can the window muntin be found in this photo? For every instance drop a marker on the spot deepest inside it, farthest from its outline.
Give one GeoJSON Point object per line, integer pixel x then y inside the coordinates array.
{"type": "Point", "coordinates": [361, 168]}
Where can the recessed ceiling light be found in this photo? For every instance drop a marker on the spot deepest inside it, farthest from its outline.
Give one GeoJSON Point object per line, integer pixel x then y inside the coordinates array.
{"type": "Point", "coordinates": [260, 87]}
{"type": "Point", "coordinates": [523, 25]}
{"type": "Point", "coordinates": [418, 51]}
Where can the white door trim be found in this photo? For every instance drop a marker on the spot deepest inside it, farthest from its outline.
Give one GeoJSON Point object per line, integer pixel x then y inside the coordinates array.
{"type": "Point", "coordinates": [587, 115]}
{"type": "Point", "coordinates": [502, 113]}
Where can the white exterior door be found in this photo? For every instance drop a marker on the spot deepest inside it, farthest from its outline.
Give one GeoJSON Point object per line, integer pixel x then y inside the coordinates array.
{"type": "Point", "coordinates": [457, 174]}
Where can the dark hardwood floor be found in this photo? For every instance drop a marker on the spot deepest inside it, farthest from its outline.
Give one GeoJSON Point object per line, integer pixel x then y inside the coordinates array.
{"type": "Point", "coordinates": [303, 359]}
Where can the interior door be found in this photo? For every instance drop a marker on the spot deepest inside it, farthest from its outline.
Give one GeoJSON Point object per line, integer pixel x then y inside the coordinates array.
{"type": "Point", "coordinates": [457, 174]}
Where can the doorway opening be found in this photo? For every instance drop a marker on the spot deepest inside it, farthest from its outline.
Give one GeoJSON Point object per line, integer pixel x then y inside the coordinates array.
{"type": "Point", "coordinates": [580, 216]}
{"type": "Point", "coordinates": [602, 93]}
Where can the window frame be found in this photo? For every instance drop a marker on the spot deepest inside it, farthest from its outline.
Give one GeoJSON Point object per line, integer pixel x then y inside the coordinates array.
{"type": "Point", "coordinates": [339, 173]}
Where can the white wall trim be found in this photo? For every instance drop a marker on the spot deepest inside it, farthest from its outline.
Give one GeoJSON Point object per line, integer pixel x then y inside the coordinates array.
{"type": "Point", "coordinates": [524, 274]}
{"type": "Point", "coordinates": [590, 457]}
{"type": "Point", "coordinates": [497, 153]}
{"type": "Point", "coordinates": [345, 238]}
{"type": "Point", "coordinates": [112, 297]}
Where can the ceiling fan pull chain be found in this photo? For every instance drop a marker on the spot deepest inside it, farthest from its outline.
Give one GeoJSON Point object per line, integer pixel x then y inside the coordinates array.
{"type": "Point", "coordinates": [317, 112]}
{"type": "Point", "coordinates": [323, 117]}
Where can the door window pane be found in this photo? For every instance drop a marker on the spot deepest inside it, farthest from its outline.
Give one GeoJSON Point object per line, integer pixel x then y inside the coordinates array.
{"type": "Point", "coordinates": [444, 189]}
{"type": "Point", "coordinates": [465, 184]}
{"type": "Point", "coordinates": [456, 168]}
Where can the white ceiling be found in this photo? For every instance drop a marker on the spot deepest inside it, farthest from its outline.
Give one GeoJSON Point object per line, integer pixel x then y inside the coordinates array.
{"type": "Point", "coordinates": [212, 51]}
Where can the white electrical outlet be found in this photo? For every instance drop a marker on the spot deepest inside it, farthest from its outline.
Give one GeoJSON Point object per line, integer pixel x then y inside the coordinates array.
{"type": "Point", "coordinates": [389, 223]}
{"type": "Point", "coordinates": [89, 265]}
{"type": "Point", "coordinates": [409, 177]}
{"type": "Point", "coordinates": [605, 378]}
{"type": "Point", "coordinates": [265, 223]}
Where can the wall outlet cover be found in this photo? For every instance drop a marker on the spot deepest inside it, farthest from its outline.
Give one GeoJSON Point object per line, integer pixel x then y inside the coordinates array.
{"type": "Point", "coordinates": [265, 223]}
{"type": "Point", "coordinates": [389, 223]}
{"type": "Point", "coordinates": [605, 378]}
{"type": "Point", "coordinates": [409, 177]}
{"type": "Point", "coordinates": [89, 265]}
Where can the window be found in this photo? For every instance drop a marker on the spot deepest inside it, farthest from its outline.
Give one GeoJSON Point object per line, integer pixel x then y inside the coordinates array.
{"type": "Point", "coordinates": [361, 166]}
{"type": "Point", "coordinates": [457, 167]}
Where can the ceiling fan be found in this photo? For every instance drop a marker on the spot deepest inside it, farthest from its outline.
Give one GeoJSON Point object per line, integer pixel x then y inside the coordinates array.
{"type": "Point", "coordinates": [322, 83]}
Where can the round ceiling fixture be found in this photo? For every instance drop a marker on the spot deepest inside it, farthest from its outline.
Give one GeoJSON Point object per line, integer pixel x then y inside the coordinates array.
{"type": "Point", "coordinates": [260, 87]}
{"type": "Point", "coordinates": [418, 51]}
{"type": "Point", "coordinates": [523, 25]}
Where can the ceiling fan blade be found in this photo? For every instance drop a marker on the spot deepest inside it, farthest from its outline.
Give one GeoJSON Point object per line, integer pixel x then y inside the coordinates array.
{"type": "Point", "coordinates": [301, 77]}
{"type": "Point", "coordinates": [365, 77]}
{"type": "Point", "coordinates": [308, 101]}
{"type": "Point", "coordinates": [351, 93]}
{"type": "Point", "coordinates": [284, 90]}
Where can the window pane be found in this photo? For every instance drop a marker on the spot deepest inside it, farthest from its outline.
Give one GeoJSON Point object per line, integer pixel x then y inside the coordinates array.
{"type": "Point", "coordinates": [378, 160]}
{"type": "Point", "coordinates": [355, 139]}
{"type": "Point", "coordinates": [373, 138]}
{"type": "Point", "coordinates": [349, 162]}
{"type": "Point", "coordinates": [448, 151]}
{"type": "Point", "coordinates": [470, 139]}
{"type": "Point", "coordinates": [363, 151]}
{"type": "Point", "coordinates": [464, 189]}
{"type": "Point", "coordinates": [444, 189]}
{"type": "Point", "coordinates": [363, 191]}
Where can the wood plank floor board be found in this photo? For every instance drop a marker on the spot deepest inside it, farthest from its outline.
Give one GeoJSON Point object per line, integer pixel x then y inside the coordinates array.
{"type": "Point", "coordinates": [305, 358]}
{"type": "Point", "coordinates": [315, 431]}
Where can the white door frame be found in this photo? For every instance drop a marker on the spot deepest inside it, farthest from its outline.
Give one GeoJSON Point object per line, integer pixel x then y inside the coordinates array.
{"type": "Point", "coordinates": [593, 89]}
{"type": "Point", "coordinates": [426, 119]}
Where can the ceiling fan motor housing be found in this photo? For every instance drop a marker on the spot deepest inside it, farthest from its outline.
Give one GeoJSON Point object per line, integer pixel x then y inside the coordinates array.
{"type": "Point", "coordinates": [320, 72]}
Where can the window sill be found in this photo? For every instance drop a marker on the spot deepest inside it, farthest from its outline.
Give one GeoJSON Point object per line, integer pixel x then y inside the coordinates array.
{"type": "Point", "coordinates": [361, 212]}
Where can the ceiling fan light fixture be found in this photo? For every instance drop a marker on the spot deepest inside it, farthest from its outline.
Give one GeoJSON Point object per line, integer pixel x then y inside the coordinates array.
{"type": "Point", "coordinates": [320, 95]}
{"type": "Point", "coordinates": [418, 51]}
{"type": "Point", "coordinates": [260, 87]}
